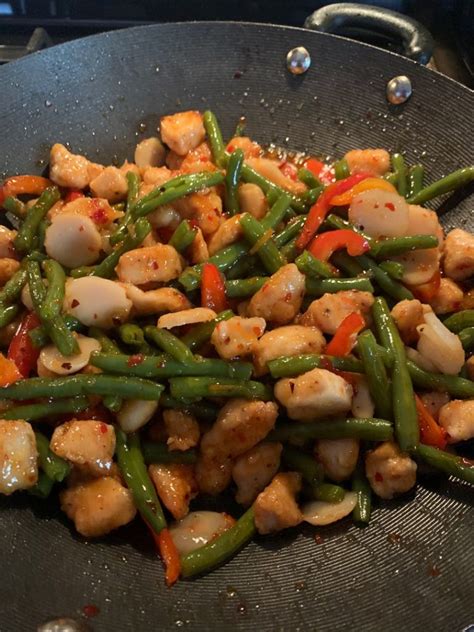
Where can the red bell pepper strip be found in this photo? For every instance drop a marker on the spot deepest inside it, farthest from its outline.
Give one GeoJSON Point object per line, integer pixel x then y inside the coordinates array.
{"type": "Point", "coordinates": [325, 244]}
{"type": "Point", "coordinates": [9, 372]}
{"type": "Point", "coordinates": [319, 210]}
{"type": "Point", "coordinates": [169, 554]}
{"type": "Point", "coordinates": [322, 171]}
{"type": "Point", "coordinates": [425, 292]}
{"type": "Point", "coordinates": [346, 335]}
{"type": "Point", "coordinates": [72, 195]}
{"type": "Point", "coordinates": [21, 350]}
{"type": "Point", "coordinates": [24, 185]}
{"type": "Point", "coordinates": [431, 433]}
{"type": "Point", "coordinates": [212, 288]}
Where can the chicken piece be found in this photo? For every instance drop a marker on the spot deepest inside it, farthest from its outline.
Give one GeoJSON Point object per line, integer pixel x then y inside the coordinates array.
{"type": "Point", "coordinates": [87, 444]}
{"type": "Point", "coordinates": [252, 200]}
{"type": "Point", "coordinates": [434, 401]}
{"type": "Point", "coordinates": [329, 311]}
{"type": "Point", "coordinates": [228, 233]}
{"type": "Point", "coordinates": [390, 472]}
{"type": "Point", "coordinates": [362, 403]}
{"type": "Point", "coordinates": [457, 418]}
{"type": "Point", "coordinates": [183, 131]}
{"type": "Point", "coordinates": [176, 486]}
{"type": "Point", "coordinates": [280, 298]}
{"type": "Point", "coordinates": [157, 175]}
{"type": "Point", "coordinates": [199, 159]}
{"type": "Point", "coordinates": [150, 152]}
{"type": "Point", "coordinates": [459, 255]}
{"type": "Point", "coordinates": [254, 470]}
{"type": "Point", "coordinates": [317, 393]}
{"type": "Point", "coordinates": [130, 167]}
{"type": "Point", "coordinates": [338, 457]}
{"type": "Point", "coordinates": [448, 298]}
{"type": "Point", "coordinates": [182, 429]}
{"type": "Point", "coordinates": [290, 340]}
{"type": "Point", "coordinates": [8, 267]}
{"type": "Point", "coordinates": [18, 456]}
{"type": "Point", "coordinates": [408, 315]}
{"type": "Point", "coordinates": [237, 337]}
{"type": "Point", "coordinates": [186, 317]}
{"type": "Point", "coordinates": [97, 209]}
{"type": "Point", "coordinates": [155, 264]}
{"type": "Point", "coordinates": [7, 249]}
{"type": "Point", "coordinates": [250, 148]}
{"type": "Point", "coordinates": [97, 302]}
{"type": "Point", "coordinates": [73, 240]}
{"type": "Point", "coordinates": [270, 169]}
{"type": "Point", "coordinates": [71, 170]}
{"type": "Point", "coordinates": [213, 476]}
{"type": "Point", "coordinates": [163, 299]}
{"type": "Point", "coordinates": [276, 508]}
{"type": "Point", "coordinates": [199, 528]}
{"type": "Point", "coordinates": [198, 251]}
{"type": "Point", "coordinates": [373, 161]}
{"type": "Point", "coordinates": [110, 184]}
{"type": "Point", "coordinates": [204, 207]}
{"type": "Point", "coordinates": [98, 506]}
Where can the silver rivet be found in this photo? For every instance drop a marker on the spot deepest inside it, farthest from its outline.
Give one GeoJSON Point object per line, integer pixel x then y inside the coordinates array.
{"type": "Point", "coordinates": [399, 90]}
{"type": "Point", "coordinates": [298, 60]}
{"type": "Point", "coordinates": [64, 624]}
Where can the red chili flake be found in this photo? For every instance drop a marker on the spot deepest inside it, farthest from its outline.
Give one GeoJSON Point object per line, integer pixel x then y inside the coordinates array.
{"type": "Point", "coordinates": [81, 229]}
{"type": "Point", "coordinates": [238, 74]}
{"type": "Point", "coordinates": [230, 148]}
{"type": "Point", "coordinates": [74, 302]}
{"type": "Point", "coordinates": [256, 330]}
{"type": "Point", "coordinates": [135, 360]}
{"type": "Point", "coordinates": [193, 223]}
{"type": "Point", "coordinates": [318, 539]}
{"type": "Point", "coordinates": [98, 213]}
{"type": "Point", "coordinates": [288, 297]}
{"type": "Point", "coordinates": [378, 477]}
{"type": "Point", "coordinates": [103, 428]}
{"type": "Point", "coordinates": [90, 610]}
{"type": "Point", "coordinates": [390, 206]}
{"type": "Point", "coordinates": [154, 265]}
{"type": "Point", "coordinates": [394, 538]}
{"type": "Point", "coordinates": [66, 365]}
{"type": "Point", "coordinates": [433, 571]}
{"type": "Point", "coordinates": [116, 321]}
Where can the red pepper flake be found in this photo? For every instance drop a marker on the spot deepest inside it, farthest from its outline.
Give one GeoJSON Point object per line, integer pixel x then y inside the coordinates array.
{"type": "Point", "coordinates": [378, 477]}
{"type": "Point", "coordinates": [98, 213]}
{"type": "Point", "coordinates": [66, 365]}
{"type": "Point", "coordinates": [90, 610]}
{"type": "Point", "coordinates": [154, 265]}
{"type": "Point", "coordinates": [135, 360]}
{"type": "Point", "coordinates": [103, 428]}
{"type": "Point", "coordinates": [394, 538]}
{"type": "Point", "coordinates": [74, 302]}
{"type": "Point", "coordinates": [230, 148]}
{"type": "Point", "coordinates": [238, 74]}
{"type": "Point", "coordinates": [390, 206]}
{"type": "Point", "coordinates": [318, 539]}
{"type": "Point", "coordinates": [433, 571]}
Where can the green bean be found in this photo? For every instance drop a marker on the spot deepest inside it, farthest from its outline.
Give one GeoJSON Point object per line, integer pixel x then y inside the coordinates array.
{"type": "Point", "coordinates": [7, 314]}
{"type": "Point", "coordinates": [450, 464]}
{"type": "Point", "coordinates": [169, 343]}
{"type": "Point", "coordinates": [400, 245]}
{"type": "Point", "coordinates": [202, 410]}
{"type": "Point", "coordinates": [35, 255]}
{"type": "Point", "coordinates": [393, 268]}
{"type": "Point", "coordinates": [392, 178]}
{"type": "Point", "coordinates": [377, 378]}
{"type": "Point", "coordinates": [43, 486]}
{"type": "Point", "coordinates": [15, 206]}
{"type": "Point", "coordinates": [386, 283]}
{"type": "Point", "coordinates": [466, 336]}
{"type": "Point", "coordinates": [107, 345]}
{"type": "Point", "coordinates": [131, 334]}
{"type": "Point", "coordinates": [400, 170]}
{"type": "Point", "coordinates": [307, 177]}
{"type": "Point", "coordinates": [242, 288]}
{"type": "Point", "coordinates": [318, 287]}
{"type": "Point", "coordinates": [415, 180]}
{"type": "Point", "coordinates": [221, 549]}
{"type": "Point", "coordinates": [348, 264]}
{"type": "Point", "coordinates": [154, 452]}
{"type": "Point", "coordinates": [306, 464]}
{"type": "Point", "coordinates": [28, 230]}
{"type": "Point", "coordinates": [195, 387]}
{"type": "Point", "coordinates": [39, 335]}
{"type": "Point", "coordinates": [335, 222]}
{"type": "Point", "coordinates": [201, 333]}
{"type": "Point", "coordinates": [254, 232]}
{"type": "Point", "coordinates": [121, 232]}
{"type": "Point", "coordinates": [214, 136]}
{"type": "Point", "coordinates": [244, 267]}
{"type": "Point", "coordinates": [290, 251]}
{"type": "Point", "coordinates": [368, 429]}
{"type": "Point", "coordinates": [240, 127]}
{"type": "Point", "coordinates": [461, 320]}
{"type": "Point", "coordinates": [289, 366]}
{"type": "Point", "coordinates": [183, 236]}
{"type": "Point", "coordinates": [112, 403]}
{"type": "Point", "coordinates": [404, 408]}
{"type": "Point", "coordinates": [163, 367]}
{"type": "Point", "coordinates": [277, 212]}
{"type": "Point", "coordinates": [232, 178]}
{"type": "Point", "coordinates": [13, 287]}
{"type": "Point", "coordinates": [314, 268]}
{"type": "Point", "coordinates": [106, 267]}
{"type": "Point", "coordinates": [451, 182]}
{"type": "Point", "coordinates": [329, 493]}
{"type": "Point", "coordinates": [456, 386]}
{"type": "Point", "coordinates": [291, 230]}
{"type": "Point", "coordinates": [53, 302]}
{"type": "Point", "coordinates": [135, 474]}
{"type": "Point", "coordinates": [31, 412]}
{"type": "Point", "coordinates": [190, 279]}
{"type": "Point", "coordinates": [52, 465]}
{"type": "Point", "coordinates": [360, 485]}
{"type": "Point", "coordinates": [341, 169]}
{"type": "Point", "coordinates": [75, 385]}
{"type": "Point", "coordinates": [309, 198]}
{"type": "Point", "coordinates": [250, 175]}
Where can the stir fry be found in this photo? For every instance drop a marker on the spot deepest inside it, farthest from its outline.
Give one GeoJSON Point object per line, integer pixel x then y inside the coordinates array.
{"type": "Point", "coordinates": [226, 320]}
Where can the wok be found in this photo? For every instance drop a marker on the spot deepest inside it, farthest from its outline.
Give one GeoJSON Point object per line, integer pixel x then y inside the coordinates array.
{"type": "Point", "coordinates": [412, 567]}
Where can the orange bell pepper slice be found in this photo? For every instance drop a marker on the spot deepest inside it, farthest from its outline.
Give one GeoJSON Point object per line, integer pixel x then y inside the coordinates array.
{"type": "Point", "coordinates": [9, 372]}
{"type": "Point", "coordinates": [431, 433]}
{"type": "Point", "coordinates": [366, 185]}
{"type": "Point", "coordinates": [170, 556]}
{"type": "Point", "coordinates": [24, 185]}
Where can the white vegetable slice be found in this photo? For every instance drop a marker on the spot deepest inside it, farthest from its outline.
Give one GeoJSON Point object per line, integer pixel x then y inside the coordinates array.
{"type": "Point", "coordinates": [135, 413]}
{"type": "Point", "coordinates": [59, 364]}
{"type": "Point", "coordinates": [321, 513]}
{"type": "Point", "coordinates": [440, 346]}
{"type": "Point", "coordinates": [379, 213]}
{"type": "Point", "coordinates": [197, 529]}
{"type": "Point", "coordinates": [150, 153]}
{"type": "Point", "coordinates": [186, 317]}
{"type": "Point", "coordinates": [97, 301]}
{"type": "Point", "coordinates": [73, 240]}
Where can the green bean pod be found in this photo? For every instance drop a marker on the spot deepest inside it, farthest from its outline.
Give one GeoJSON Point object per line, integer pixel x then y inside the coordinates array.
{"type": "Point", "coordinates": [314, 268]}
{"type": "Point", "coordinates": [214, 136]}
{"type": "Point", "coordinates": [232, 178]}
{"type": "Point", "coordinates": [254, 232]}
{"type": "Point", "coordinates": [197, 387]}
{"type": "Point", "coordinates": [201, 333]}
{"type": "Point", "coordinates": [368, 429]}
{"type": "Point", "coordinates": [415, 180]}
{"type": "Point", "coordinates": [450, 464]}
{"type": "Point", "coordinates": [290, 366]}
{"type": "Point", "coordinates": [243, 288]}
{"type": "Point", "coordinates": [183, 236]}
{"type": "Point", "coordinates": [170, 344]}
{"type": "Point", "coordinates": [52, 465]}
{"type": "Point", "coordinates": [377, 378]}
{"type": "Point", "coordinates": [451, 182]}
{"type": "Point", "coordinates": [461, 320]}
{"type": "Point", "coordinates": [400, 170]}
{"type": "Point", "coordinates": [341, 169]}
{"type": "Point", "coordinates": [28, 230]}
{"type": "Point", "coordinates": [31, 412]}
{"type": "Point", "coordinates": [318, 287]}
{"type": "Point", "coordinates": [154, 452]}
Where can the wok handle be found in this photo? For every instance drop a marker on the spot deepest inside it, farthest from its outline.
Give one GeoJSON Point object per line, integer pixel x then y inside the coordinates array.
{"type": "Point", "coordinates": [334, 18]}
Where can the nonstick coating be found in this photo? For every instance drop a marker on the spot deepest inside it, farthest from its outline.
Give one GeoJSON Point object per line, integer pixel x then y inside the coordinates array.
{"type": "Point", "coordinates": [412, 567]}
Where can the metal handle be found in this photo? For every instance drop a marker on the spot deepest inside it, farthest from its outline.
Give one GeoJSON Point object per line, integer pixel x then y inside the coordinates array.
{"type": "Point", "coordinates": [334, 18]}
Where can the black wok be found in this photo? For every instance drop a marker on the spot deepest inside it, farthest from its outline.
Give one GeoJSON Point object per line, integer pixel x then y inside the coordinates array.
{"type": "Point", "coordinates": [412, 567]}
